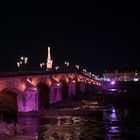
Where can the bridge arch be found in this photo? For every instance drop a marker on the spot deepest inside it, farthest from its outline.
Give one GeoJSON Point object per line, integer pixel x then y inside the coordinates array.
{"type": "Point", "coordinates": [44, 98]}
{"type": "Point", "coordinates": [8, 100]}
{"type": "Point", "coordinates": [64, 89]}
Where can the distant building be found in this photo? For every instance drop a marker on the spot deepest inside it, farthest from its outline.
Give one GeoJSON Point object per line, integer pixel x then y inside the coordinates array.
{"type": "Point", "coordinates": [122, 76]}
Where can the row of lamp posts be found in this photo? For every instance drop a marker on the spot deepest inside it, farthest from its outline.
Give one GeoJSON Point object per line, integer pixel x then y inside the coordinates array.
{"type": "Point", "coordinates": [21, 63]}
{"type": "Point", "coordinates": [66, 63]}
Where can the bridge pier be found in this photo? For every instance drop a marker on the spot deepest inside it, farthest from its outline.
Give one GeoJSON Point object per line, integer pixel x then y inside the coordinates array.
{"type": "Point", "coordinates": [44, 95]}
{"type": "Point", "coordinates": [28, 101]}
{"type": "Point", "coordinates": [64, 90]}
{"type": "Point", "coordinates": [82, 87]}
{"type": "Point", "coordinates": [31, 100]}
{"type": "Point", "coordinates": [21, 102]}
{"type": "Point", "coordinates": [71, 89]}
{"type": "Point", "coordinates": [55, 93]}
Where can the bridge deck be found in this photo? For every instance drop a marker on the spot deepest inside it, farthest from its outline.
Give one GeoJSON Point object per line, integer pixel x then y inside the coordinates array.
{"type": "Point", "coordinates": [28, 73]}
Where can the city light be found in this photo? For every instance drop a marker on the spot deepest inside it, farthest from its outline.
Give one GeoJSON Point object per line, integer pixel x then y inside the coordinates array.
{"type": "Point", "coordinates": [112, 82]}
{"type": "Point", "coordinates": [135, 79]}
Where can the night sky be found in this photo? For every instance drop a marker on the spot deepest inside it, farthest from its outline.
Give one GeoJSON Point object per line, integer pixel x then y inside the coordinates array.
{"type": "Point", "coordinates": [103, 37]}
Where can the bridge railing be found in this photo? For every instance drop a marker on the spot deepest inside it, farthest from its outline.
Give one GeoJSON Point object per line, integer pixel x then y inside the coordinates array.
{"type": "Point", "coordinates": [28, 73]}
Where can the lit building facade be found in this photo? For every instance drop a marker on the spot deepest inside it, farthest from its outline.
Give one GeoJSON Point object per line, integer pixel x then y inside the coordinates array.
{"type": "Point", "coordinates": [122, 76]}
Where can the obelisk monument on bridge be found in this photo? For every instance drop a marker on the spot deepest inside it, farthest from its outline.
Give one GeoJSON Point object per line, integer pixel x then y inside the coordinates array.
{"type": "Point", "coordinates": [49, 61]}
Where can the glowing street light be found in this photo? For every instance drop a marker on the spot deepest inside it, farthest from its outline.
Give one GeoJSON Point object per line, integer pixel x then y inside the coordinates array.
{"type": "Point", "coordinates": [42, 65]}
{"type": "Point", "coordinates": [22, 58]}
{"type": "Point", "coordinates": [22, 61]}
{"type": "Point", "coordinates": [57, 67]}
{"type": "Point", "coordinates": [112, 82]}
{"type": "Point", "coordinates": [77, 67]}
{"type": "Point", "coordinates": [18, 65]}
{"type": "Point", "coordinates": [66, 63]}
{"type": "Point", "coordinates": [84, 70]}
{"type": "Point", "coordinates": [89, 73]}
{"type": "Point", "coordinates": [25, 60]}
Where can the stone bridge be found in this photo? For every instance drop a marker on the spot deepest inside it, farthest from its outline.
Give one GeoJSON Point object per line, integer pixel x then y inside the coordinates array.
{"type": "Point", "coordinates": [32, 92]}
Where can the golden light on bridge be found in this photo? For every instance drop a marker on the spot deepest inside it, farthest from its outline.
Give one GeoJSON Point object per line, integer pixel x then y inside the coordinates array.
{"type": "Point", "coordinates": [30, 81]}
{"type": "Point", "coordinates": [56, 79]}
{"type": "Point", "coordinates": [22, 87]}
{"type": "Point", "coordinates": [58, 84]}
{"type": "Point", "coordinates": [73, 81]}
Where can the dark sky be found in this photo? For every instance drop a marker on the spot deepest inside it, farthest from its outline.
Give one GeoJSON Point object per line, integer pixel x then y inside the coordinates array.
{"type": "Point", "coordinates": [102, 37]}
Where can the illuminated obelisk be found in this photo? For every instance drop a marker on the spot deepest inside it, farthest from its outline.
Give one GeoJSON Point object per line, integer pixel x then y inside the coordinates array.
{"type": "Point", "coordinates": [49, 61]}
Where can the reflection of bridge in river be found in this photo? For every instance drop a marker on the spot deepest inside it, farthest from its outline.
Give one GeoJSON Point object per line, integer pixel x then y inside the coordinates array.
{"type": "Point", "coordinates": [32, 91]}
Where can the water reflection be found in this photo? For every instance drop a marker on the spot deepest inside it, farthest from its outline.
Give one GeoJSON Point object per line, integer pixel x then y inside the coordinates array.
{"type": "Point", "coordinates": [60, 127]}
{"type": "Point", "coordinates": [112, 122]}
{"type": "Point", "coordinates": [79, 127]}
{"type": "Point", "coordinates": [29, 126]}
{"type": "Point", "coordinates": [8, 123]}
{"type": "Point", "coordinates": [14, 128]}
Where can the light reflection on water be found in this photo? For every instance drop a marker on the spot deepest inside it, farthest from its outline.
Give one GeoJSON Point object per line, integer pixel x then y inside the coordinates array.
{"type": "Point", "coordinates": [60, 125]}
{"type": "Point", "coordinates": [113, 123]}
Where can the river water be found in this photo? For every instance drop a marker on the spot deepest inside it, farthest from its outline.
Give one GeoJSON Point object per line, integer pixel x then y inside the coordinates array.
{"type": "Point", "coordinates": [78, 120]}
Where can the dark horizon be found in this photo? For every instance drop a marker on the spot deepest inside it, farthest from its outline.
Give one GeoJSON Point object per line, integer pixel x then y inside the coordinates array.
{"type": "Point", "coordinates": [104, 38]}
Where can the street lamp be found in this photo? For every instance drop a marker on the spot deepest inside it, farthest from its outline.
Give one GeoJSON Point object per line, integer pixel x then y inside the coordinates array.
{"type": "Point", "coordinates": [57, 67]}
{"type": "Point", "coordinates": [22, 57]}
{"type": "Point", "coordinates": [77, 67]}
{"type": "Point", "coordinates": [22, 61]}
{"type": "Point", "coordinates": [84, 70]}
{"type": "Point", "coordinates": [42, 65]}
{"type": "Point", "coordinates": [66, 63]}
{"type": "Point", "coordinates": [25, 60]}
{"type": "Point", "coordinates": [18, 65]}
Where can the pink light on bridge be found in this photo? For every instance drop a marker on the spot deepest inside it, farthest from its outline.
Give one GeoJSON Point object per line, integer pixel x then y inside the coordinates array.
{"type": "Point", "coordinates": [99, 84]}
{"type": "Point", "coordinates": [30, 81]}
{"type": "Point", "coordinates": [48, 82]}
{"type": "Point", "coordinates": [112, 82]}
{"type": "Point", "coordinates": [73, 81]}
{"type": "Point", "coordinates": [56, 79]}
{"type": "Point", "coordinates": [23, 87]}
{"type": "Point", "coordinates": [58, 84]}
